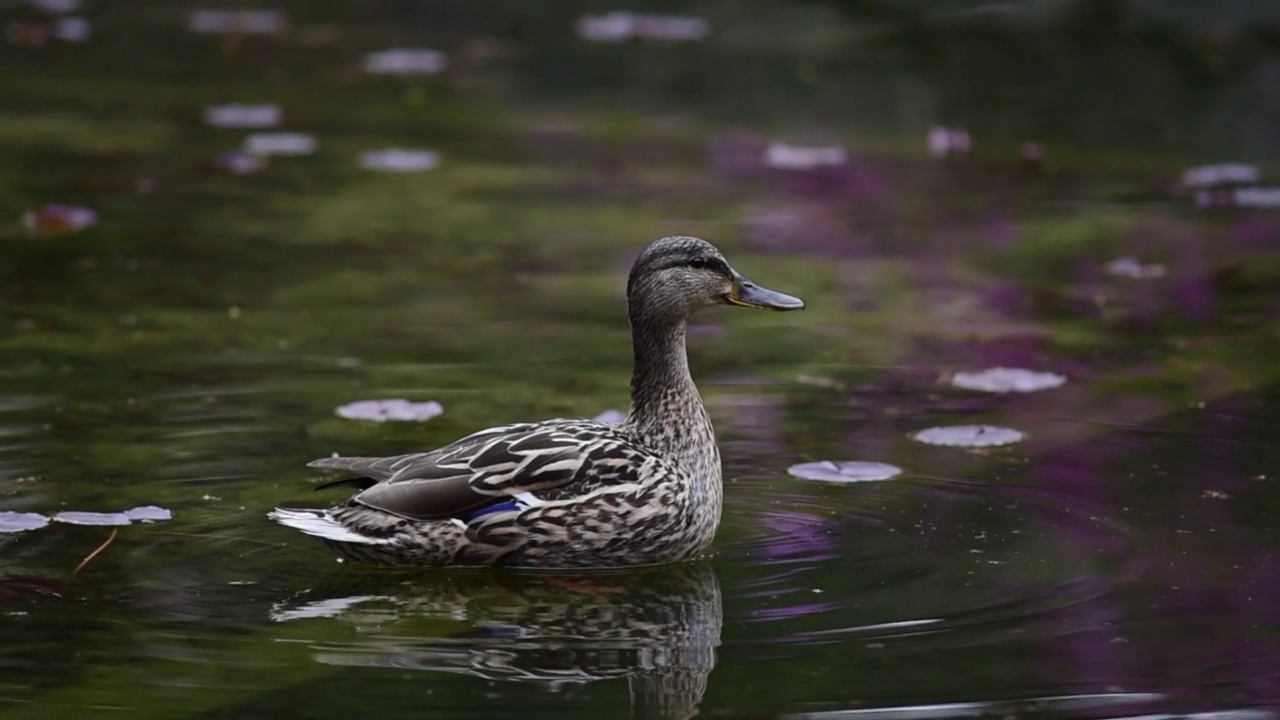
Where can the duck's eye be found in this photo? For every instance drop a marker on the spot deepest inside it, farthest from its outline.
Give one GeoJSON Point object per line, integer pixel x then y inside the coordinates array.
{"type": "Point", "coordinates": [698, 263]}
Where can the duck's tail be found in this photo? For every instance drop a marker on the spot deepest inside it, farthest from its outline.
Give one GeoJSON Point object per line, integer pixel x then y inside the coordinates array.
{"type": "Point", "coordinates": [321, 524]}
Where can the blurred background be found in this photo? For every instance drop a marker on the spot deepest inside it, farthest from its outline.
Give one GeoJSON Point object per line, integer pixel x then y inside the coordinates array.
{"type": "Point", "coordinates": [230, 233]}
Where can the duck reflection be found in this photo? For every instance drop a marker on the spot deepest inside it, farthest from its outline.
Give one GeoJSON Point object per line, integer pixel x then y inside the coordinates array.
{"type": "Point", "coordinates": [658, 628]}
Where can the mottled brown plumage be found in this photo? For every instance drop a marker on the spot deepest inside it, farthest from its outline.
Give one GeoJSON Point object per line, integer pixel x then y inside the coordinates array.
{"type": "Point", "coordinates": [566, 492]}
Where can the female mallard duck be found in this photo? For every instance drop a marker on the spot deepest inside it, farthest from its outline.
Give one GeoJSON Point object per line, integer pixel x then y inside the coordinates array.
{"type": "Point", "coordinates": [565, 493]}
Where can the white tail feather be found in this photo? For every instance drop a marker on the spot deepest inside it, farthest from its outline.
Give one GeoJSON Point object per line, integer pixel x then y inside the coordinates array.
{"type": "Point", "coordinates": [318, 524]}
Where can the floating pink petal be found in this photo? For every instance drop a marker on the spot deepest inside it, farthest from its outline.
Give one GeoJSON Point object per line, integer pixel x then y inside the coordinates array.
{"type": "Point", "coordinates": [845, 471]}
{"type": "Point", "coordinates": [611, 417]}
{"type": "Point", "coordinates": [1008, 380]}
{"type": "Point", "coordinates": [12, 522]}
{"type": "Point", "coordinates": [56, 218]}
{"type": "Point", "coordinates": [397, 409]}
{"type": "Point", "coordinates": [148, 513]}
{"type": "Point", "coordinates": [75, 517]}
{"type": "Point", "coordinates": [969, 436]}
{"type": "Point", "coordinates": [406, 61]}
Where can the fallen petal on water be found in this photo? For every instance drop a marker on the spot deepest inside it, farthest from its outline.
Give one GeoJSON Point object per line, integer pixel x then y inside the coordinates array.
{"type": "Point", "coordinates": [845, 471]}
{"type": "Point", "coordinates": [1128, 267]}
{"type": "Point", "coordinates": [56, 218]}
{"type": "Point", "coordinates": [397, 409]}
{"type": "Point", "coordinates": [238, 162]}
{"type": "Point", "coordinates": [621, 27]}
{"type": "Point", "coordinates": [406, 61]}
{"type": "Point", "coordinates": [236, 115]}
{"type": "Point", "coordinates": [611, 417]}
{"type": "Point", "coordinates": [76, 517]}
{"type": "Point", "coordinates": [12, 522]}
{"type": "Point", "coordinates": [969, 436]}
{"type": "Point", "coordinates": [1008, 380]}
{"type": "Point", "coordinates": [55, 7]}
{"type": "Point", "coordinates": [398, 160]}
{"type": "Point", "coordinates": [226, 22]}
{"type": "Point", "coordinates": [280, 143]}
{"type": "Point", "coordinates": [790, 157]}
{"type": "Point", "coordinates": [149, 513]}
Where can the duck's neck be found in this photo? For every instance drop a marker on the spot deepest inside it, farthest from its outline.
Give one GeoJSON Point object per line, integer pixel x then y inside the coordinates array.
{"type": "Point", "coordinates": [666, 408]}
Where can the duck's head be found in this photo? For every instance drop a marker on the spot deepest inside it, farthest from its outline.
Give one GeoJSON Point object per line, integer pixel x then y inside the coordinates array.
{"type": "Point", "coordinates": [676, 276]}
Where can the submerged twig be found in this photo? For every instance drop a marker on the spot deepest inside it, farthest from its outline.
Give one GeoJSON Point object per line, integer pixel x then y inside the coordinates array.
{"type": "Point", "coordinates": [89, 558]}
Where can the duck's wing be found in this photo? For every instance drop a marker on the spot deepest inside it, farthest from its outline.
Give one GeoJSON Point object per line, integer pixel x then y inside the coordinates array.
{"type": "Point", "coordinates": [489, 466]}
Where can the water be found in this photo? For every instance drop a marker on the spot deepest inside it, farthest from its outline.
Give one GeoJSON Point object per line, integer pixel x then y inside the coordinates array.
{"type": "Point", "coordinates": [190, 350]}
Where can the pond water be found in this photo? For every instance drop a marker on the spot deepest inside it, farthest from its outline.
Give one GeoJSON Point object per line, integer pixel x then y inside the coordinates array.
{"type": "Point", "coordinates": [189, 349]}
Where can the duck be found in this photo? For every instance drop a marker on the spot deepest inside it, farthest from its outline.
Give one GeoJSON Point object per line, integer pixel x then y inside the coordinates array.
{"type": "Point", "coordinates": [567, 493]}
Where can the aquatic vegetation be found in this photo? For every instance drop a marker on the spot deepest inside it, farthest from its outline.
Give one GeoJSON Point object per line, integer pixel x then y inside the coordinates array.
{"type": "Point", "coordinates": [406, 61]}
{"type": "Point", "coordinates": [394, 410]}
{"type": "Point", "coordinates": [280, 143]}
{"type": "Point", "coordinates": [1008, 380]}
{"type": "Point", "coordinates": [400, 160]}
{"type": "Point", "coordinates": [972, 436]}
{"type": "Point", "coordinates": [54, 219]}
{"type": "Point", "coordinates": [237, 115]}
{"type": "Point", "coordinates": [621, 27]}
{"type": "Point", "coordinates": [845, 471]}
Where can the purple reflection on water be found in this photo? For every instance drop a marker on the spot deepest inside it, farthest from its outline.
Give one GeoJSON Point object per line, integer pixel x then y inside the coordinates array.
{"type": "Point", "coordinates": [796, 537]}
{"type": "Point", "coordinates": [790, 611]}
{"type": "Point", "coordinates": [1257, 233]}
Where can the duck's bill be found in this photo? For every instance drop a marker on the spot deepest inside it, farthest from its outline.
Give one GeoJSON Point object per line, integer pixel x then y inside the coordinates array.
{"type": "Point", "coordinates": [749, 294]}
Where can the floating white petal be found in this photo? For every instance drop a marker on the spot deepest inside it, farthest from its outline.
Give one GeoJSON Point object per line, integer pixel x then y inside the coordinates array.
{"type": "Point", "coordinates": [72, 29]}
{"type": "Point", "coordinates": [55, 7]}
{"type": "Point", "coordinates": [1257, 197]}
{"type": "Point", "coordinates": [1208, 175]}
{"type": "Point", "coordinates": [620, 27]}
{"type": "Point", "coordinates": [846, 471]}
{"type": "Point", "coordinates": [75, 517]}
{"type": "Point", "coordinates": [12, 522]}
{"type": "Point", "coordinates": [236, 115]}
{"type": "Point", "coordinates": [611, 417]}
{"type": "Point", "coordinates": [249, 22]}
{"type": "Point", "coordinates": [280, 143]}
{"type": "Point", "coordinates": [969, 436]}
{"type": "Point", "coordinates": [1008, 380]}
{"type": "Point", "coordinates": [397, 409]}
{"type": "Point", "coordinates": [1128, 267]}
{"type": "Point", "coordinates": [944, 141]}
{"type": "Point", "coordinates": [148, 513]}
{"type": "Point", "coordinates": [406, 61]}
{"type": "Point", "coordinates": [56, 217]}
{"type": "Point", "coordinates": [398, 160]}
{"type": "Point", "coordinates": [238, 162]}
{"type": "Point", "coordinates": [790, 157]}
